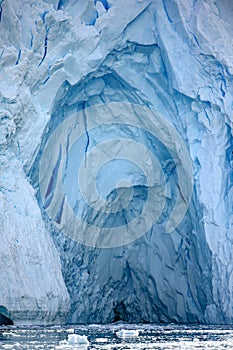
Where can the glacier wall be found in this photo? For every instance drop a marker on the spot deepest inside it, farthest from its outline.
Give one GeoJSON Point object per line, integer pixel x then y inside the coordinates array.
{"type": "Point", "coordinates": [57, 59]}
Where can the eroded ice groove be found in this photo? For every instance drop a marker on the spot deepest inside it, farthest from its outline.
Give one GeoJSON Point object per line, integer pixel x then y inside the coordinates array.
{"type": "Point", "coordinates": [175, 58]}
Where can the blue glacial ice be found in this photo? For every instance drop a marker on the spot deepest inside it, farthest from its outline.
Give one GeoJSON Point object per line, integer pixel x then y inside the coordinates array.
{"type": "Point", "coordinates": [71, 74]}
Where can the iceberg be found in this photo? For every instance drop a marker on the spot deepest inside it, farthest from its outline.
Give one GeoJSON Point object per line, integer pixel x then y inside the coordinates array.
{"type": "Point", "coordinates": [116, 161]}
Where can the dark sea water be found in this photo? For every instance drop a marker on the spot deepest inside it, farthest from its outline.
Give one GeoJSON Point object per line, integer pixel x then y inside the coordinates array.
{"type": "Point", "coordinates": [105, 337]}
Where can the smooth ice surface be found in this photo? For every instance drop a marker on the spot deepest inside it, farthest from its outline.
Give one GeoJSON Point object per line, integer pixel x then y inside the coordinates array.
{"type": "Point", "coordinates": [57, 58]}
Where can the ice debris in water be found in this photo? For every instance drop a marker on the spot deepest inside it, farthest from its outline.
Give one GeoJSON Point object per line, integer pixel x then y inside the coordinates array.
{"type": "Point", "coordinates": [70, 330]}
{"type": "Point", "coordinates": [75, 341]}
{"type": "Point", "coordinates": [127, 333]}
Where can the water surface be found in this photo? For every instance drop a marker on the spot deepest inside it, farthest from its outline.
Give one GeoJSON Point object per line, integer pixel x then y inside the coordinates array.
{"type": "Point", "coordinates": [105, 337]}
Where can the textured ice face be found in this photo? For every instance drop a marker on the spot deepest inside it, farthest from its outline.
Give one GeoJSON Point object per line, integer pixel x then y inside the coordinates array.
{"type": "Point", "coordinates": [129, 282]}
{"type": "Point", "coordinates": [174, 58]}
{"type": "Point", "coordinates": [83, 189]}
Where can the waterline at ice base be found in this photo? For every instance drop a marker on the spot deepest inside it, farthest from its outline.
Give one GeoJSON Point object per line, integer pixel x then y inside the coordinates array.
{"type": "Point", "coordinates": [116, 157]}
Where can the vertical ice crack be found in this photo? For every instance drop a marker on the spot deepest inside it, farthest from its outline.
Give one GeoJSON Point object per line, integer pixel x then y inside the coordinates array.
{"type": "Point", "coordinates": [45, 45]}
{"type": "Point", "coordinates": [45, 39]}
{"type": "Point", "coordinates": [60, 211]}
{"type": "Point", "coordinates": [53, 181]}
{"type": "Point", "coordinates": [223, 84]}
{"type": "Point", "coordinates": [86, 131]}
{"type": "Point", "coordinates": [60, 4]}
{"type": "Point", "coordinates": [31, 42]}
{"type": "Point", "coordinates": [166, 12]}
{"type": "Point", "coordinates": [18, 58]}
{"type": "Point", "coordinates": [195, 38]}
{"type": "Point", "coordinates": [2, 53]}
{"type": "Point", "coordinates": [67, 153]}
{"type": "Point", "coordinates": [1, 2]}
{"type": "Point", "coordinates": [19, 152]}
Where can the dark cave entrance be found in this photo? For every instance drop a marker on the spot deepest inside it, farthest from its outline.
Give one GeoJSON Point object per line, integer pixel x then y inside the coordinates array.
{"type": "Point", "coordinates": [4, 319]}
{"type": "Point", "coordinates": [120, 312]}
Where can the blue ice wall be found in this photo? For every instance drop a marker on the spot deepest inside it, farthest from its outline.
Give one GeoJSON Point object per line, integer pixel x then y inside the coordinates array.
{"type": "Point", "coordinates": [116, 124]}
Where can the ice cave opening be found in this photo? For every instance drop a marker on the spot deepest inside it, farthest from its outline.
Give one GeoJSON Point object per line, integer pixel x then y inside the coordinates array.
{"type": "Point", "coordinates": [152, 278]}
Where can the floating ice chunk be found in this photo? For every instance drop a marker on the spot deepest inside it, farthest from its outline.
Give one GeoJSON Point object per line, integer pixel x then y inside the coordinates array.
{"type": "Point", "coordinates": [77, 339]}
{"type": "Point", "coordinates": [101, 340]}
{"type": "Point", "coordinates": [70, 330]}
{"type": "Point", "coordinates": [63, 342]}
{"type": "Point", "coordinates": [127, 333]}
